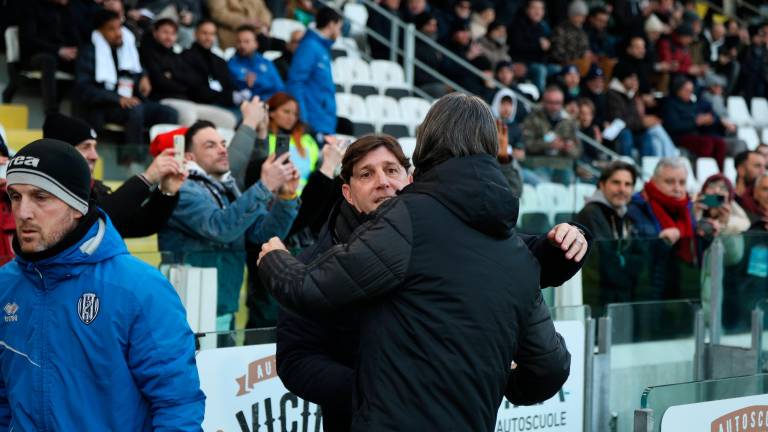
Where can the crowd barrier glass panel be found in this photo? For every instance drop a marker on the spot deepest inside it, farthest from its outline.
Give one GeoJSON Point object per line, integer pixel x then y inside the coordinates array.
{"type": "Point", "coordinates": [651, 343]}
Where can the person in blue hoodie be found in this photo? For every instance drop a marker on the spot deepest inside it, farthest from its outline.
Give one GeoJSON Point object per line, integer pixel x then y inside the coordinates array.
{"type": "Point", "coordinates": [92, 339]}
{"type": "Point", "coordinates": [310, 80]}
{"type": "Point", "coordinates": [250, 70]}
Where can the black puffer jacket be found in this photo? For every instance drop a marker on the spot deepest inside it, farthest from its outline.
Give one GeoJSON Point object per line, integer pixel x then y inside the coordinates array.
{"type": "Point", "coordinates": [449, 297]}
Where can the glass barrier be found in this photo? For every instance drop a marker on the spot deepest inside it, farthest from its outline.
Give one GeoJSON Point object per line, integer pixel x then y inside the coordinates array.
{"type": "Point", "coordinates": [728, 414]}
{"type": "Point", "coordinates": [651, 343]}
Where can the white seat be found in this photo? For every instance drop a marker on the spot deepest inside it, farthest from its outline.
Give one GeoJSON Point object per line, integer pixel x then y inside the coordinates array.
{"type": "Point", "coordinates": [409, 146]}
{"type": "Point", "coordinates": [348, 45]}
{"type": "Point", "coordinates": [227, 134]}
{"type": "Point", "coordinates": [529, 89]}
{"type": "Point", "coordinates": [759, 111]}
{"type": "Point", "coordinates": [272, 55]}
{"type": "Point", "coordinates": [692, 185]}
{"type": "Point", "coordinates": [529, 200]}
{"type": "Point", "coordinates": [648, 164]}
{"type": "Point", "coordinates": [283, 27]}
{"type": "Point", "coordinates": [554, 198]}
{"type": "Point", "coordinates": [764, 136]}
{"type": "Point", "coordinates": [352, 71]}
{"type": "Point", "coordinates": [388, 75]}
{"type": "Point", "coordinates": [357, 15]}
{"type": "Point", "coordinates": [161, 128]}
{"type": "Point", "coordinates": [749, 135]}
{"type": "Point", "coordinates": [705, 167]}
{"type": "Point", "coordinates": [351, 106]}
{"type": "Point", "coordinates": [229, 53]}
{"type": "Point", "coordinates": [730, 170]}
{"type": "Point", "coordinates": [383, 109]}
{"type": "Point", "coordinates": [738, 112]}
{"type": "Point", "coordinates": [582, 192]}
{"type": "Point", "coordinates": [413, 110]}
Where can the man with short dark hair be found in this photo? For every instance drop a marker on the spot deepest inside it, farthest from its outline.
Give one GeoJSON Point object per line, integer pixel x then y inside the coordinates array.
{"type": "Point", "coordinates": [250, 70]}
{"type": "Point", "coordinates": [211, 82]}
{"type": "Point", "coordinates": [213, 218]}
{"type": "Point", "coordinates": [750, 165]}
{"type": "Point", "coordinates": [144, 202]}
{"type": "Point", "coordinates": [760, 195]}
{"type": "Point", "coordinates": [80, 312]}
{"type": "Point", "coordinates": [111, 85]}
{"type": "Point", "coordinates": [309, 79]}
{"type": "Point", "coordinates": [397, 321]}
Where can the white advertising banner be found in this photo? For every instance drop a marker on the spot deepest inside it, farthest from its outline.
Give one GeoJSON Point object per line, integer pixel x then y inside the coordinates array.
{"type": "Point", "coordinates": [244, 393]}
{"type": "Point", "coordinates": [744, 414]}
{"type": "Point", "coordinates": [564, 412]}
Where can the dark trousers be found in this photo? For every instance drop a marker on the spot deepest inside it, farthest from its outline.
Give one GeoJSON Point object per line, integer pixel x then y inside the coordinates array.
{"type": "Point", "coordinates": [134, 120]}
{"type": "Point", "coordinates": [48, 64]}
{"type": "Point", "coordinates": [704, 146]}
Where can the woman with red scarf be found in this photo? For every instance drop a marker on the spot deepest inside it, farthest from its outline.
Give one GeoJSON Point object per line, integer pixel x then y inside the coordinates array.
{"type": "Point", "coordinates": [663, 210]}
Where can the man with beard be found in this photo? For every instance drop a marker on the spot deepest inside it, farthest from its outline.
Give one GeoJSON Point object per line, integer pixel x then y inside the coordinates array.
{"type": "Point", "coordinates": [749, 166]}
{"type": "Point", "coordinates": [397, 299]}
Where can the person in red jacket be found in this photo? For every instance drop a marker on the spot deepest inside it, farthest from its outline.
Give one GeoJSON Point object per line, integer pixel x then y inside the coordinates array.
{"type": "Point", "coordinates": [7, 226]}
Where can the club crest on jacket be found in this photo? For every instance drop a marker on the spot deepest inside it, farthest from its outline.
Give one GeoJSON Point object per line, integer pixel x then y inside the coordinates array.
{"type": "Point", "coordinates": [88, 307]}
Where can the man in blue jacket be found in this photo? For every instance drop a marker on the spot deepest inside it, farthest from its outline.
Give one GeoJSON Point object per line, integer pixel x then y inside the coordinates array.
{"type": "Point", "coordinates": [310, 80]}
{"type": "Point", "coordinates": [250, 70]}
{"type": "Point", "coordinates": [91, 339]}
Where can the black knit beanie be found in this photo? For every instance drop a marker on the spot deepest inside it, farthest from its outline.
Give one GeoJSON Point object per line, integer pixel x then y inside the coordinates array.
{"type": "Point", "coordinates": [55, 167]}
{"type": "Point", "coordinates": [68, 129]}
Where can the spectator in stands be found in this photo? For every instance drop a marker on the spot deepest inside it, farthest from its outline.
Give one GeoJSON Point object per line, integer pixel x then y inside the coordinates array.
{"type": "Point", "coordinates": [722, 55]}
{"type": "Point", "coordinates": [570, 42]}
{"type": "Point", "coordinates": [594, 90]}
{"type": "Point", "coordinates": [310, 345]}
{"type": "Point", "coordinates": [118, 7]}
{"type": "Point", "coordinates": [106, 314]}
{"type": "Point", "coordinates": [664, 210]}
{"type": "Point", "coordinates": [546, 132]}
{"type": "Point", "coordinates": [763, 150]}
{"type": "Point", "coordinates": [570, 80]}
{"type": "Point", "coordinates": [510, 112]}
{"type": "Point", "coordinates": [760, 196]}
{"type": "Point", "coordinates": [214, 218]}
{"type": "Point", "coordinates": [310, 80]}
{"type": "Point", "coordinates": [413, 8]}
{"type": "Point", "coordinates": [283, 63]}
{"type": "Point", "coordinates": [172, 79]}
{"type": "Point", "coordinates": [642, 134]}
{"type": "Point", "coordinates": [7, 224]}
{"type": "Point", "coordinates": [504, 74]}
{"type": "Point", "coordinates": [493, 44]}
{"type": "Point", "coordinates": [111, 86]}
{"type": "Point", "coordinates": [449, 18]}
{"type": "Point", "coordinates": [484, 14]}
{"type": "Point", "coordinates": [529, 43]}
{"type": "Point", "coordinates": [186, 13]}
{"type": "Point", "coordinates": [606, 216]}
{"type": "Point", "coordinates": [427, 24]}
{"type": "Point", "coordinates": [601, 42]}
{"type": "Point", "coordinates": [713, 95]}
{"type": "Point", "coordinates": [302, 11]}
{"type": "Point", "coordinates": [144, 202]}
{"type": "Point", "coordinates": [635, 58]}
{"type": "Point", "coordinates": [588, 127]}
{"type": "Point", "coordinates": [250, 70]}
{"type": "Point", "coordinates": [731, 219]}
{"type": "Point", "coordinates": [755, 65]}
{"type": "Point", "coordinates": [750, 165]}
{"type": "Point", "coordinates": [229, 15]}
{"type": "Point", "coordinates": [211, 82]}
{"type": "Point", "coordinates": [676, 52]}
{"type": "Point", "coordinates": [48, 40]}
{"type": "Point", "coordinates": [687, 123]}
{"type": "Point", "coordinates": [382, 25]}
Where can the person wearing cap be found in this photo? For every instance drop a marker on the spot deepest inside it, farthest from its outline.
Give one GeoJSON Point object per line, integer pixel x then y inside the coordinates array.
{"type": "Point", "coordinates": [144, 202]}
{"type": "Point", "coordinates": [593, 88]}
{"type": "Point", "coordinates": [569, 81]}
{"type": "Point", "coordinates": [111, 86]}
{"type": "Point", "coordinates": [569, 40]}
{"type": "Point", "coordinates": [94, 339]}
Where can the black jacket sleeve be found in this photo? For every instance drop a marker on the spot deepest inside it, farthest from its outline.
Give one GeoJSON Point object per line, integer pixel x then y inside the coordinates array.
{"type": "Point", "coordinates": [317, 200]}
{"type": "Point", "coordinates": [555, 268]}
{"type": "Point", "coordinates": [371, 265]}
{"type": "Point", "coordinates": [543, 361]}
{"type": "Point", "coordinates": [137, 211]}
{"type": "Point", "coordinates": [307, 367]}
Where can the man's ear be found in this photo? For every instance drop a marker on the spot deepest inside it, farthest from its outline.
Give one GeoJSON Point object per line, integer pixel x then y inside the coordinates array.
{"type": "Point", "coordinates": [345, 190]}
{"type": "Point", "coordinates": [189, 156]}
{"type": "Point", "coordinates": [410, 179]}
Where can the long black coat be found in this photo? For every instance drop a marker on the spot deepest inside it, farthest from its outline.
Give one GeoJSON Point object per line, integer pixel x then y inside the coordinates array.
{"type": "Point", "coordinates": [170, 75]}
{"type": "Point", "coordinates": [448, 297]}
{"type": "Point", "coordinates": [205, 66]}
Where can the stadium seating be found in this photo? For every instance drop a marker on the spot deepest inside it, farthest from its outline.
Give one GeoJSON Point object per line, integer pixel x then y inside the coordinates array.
{"type": "Point", "coordinates": [282, 28]}
{"type": "Point", "coordinates": [759, 111]}
{"type": "Point", "coordinates": [738, 112]}
{"type": "Point", "coordinates": [749, 135]}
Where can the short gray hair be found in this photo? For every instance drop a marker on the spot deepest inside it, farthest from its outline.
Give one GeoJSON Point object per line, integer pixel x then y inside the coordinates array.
{"type": "Point", "coordinates": [669, 162]}
{"type": "Point", "coordinates": [457, 125]}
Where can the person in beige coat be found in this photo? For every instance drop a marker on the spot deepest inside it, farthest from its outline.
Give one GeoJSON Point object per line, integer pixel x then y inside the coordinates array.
{"type": "Point", "coordinates": [231, 14]}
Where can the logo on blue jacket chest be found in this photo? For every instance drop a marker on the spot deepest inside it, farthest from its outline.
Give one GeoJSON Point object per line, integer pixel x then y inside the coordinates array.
{"type": "Point", "coordinates": [11, 310]}
{"type": "Point", "coordinates": [88, 307]}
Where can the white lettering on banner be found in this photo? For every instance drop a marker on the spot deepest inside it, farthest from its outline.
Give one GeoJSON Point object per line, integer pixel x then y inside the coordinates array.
{"type": "Point", "coordinates": [564, 411]}
{"type": "Point", "coordinates": [744, 414]}
{"type": "Point", "coordinates": [247, 394]}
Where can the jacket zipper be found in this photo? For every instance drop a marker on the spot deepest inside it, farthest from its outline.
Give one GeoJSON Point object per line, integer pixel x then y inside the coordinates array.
{"type": "Point", "coordinates": [44, 395]}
